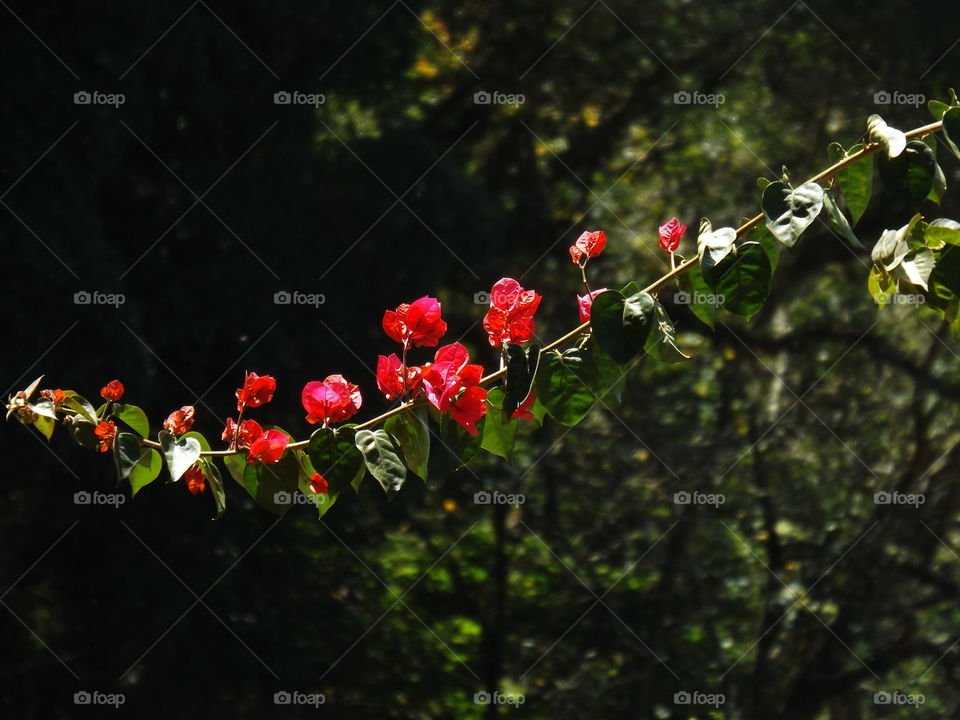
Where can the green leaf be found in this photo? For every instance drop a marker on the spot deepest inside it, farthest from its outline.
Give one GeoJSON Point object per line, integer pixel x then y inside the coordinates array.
{"type": "Point", "coordinates": [204, 445]}
{"type": "Point", "coordinates": [458, 441]}
{"type": "Point", "coordinates": [145, 471]}
{"type": "Point", "coordinates": [127, 453]}
{"type": "Point", "coordinates": [856, 183]}
{"type": "Point", "coordinates": [412, 433]}
{"type": "Point", "coordinates": [567, 384]}
{"type": "Point", "coordinates": [382, 457]}
{"type": "Point", "coordinates": [912, 173]}
{"type": "Point", "coordinates": [179, 454]}
{"type": "Point", "coordinates": [881, 285]}
{"type": "Point", "coordinates": [499, 429]}
{"type": "Point", "coordinates": [45, 425]}
{"type": "Point", "coordinates": [945, 280]}
{"type": "Point", "coordinates": [621, 325]}
{"type": "Point", "coordinates": [78, 404]}
{"type": "Point", "coordinates": [82, 433]}
{"type": "Point", "coordinates": [697, 294]}
{"type": "Point", "coordinates": [45, 408]}
{"type": "Point", "coordinates": [890, 139]}
{"type": "Point", "coordinates": [521, 371]}
{"type": "Point", "coordinates": [838, 221]}
{"type": "Point", "coordinates": [917, 266]}
{"type": "Point", "coordinates": [212, 473]}
{"type": "Point", "coordinates": [951, 130]}
{"type": "Point", "coordinates": [235, 465]}
{"type": "Point", "coordinates": [714, 245]}
{"type": "Point", "coordinates": [789, 211]}
{"type": "Point", "coordinates": [662, 343]}
{"type": "Point", "coordinates": [134, 417]}
{"type": "Point", "coordinates": [937, 108]}
{"type": "Point", "coordinates": [744, 281]}
{"type": "Point", "coordinates": [893, 245]}
{"type": "Point", "coordinates": [940, 232]}
{"type": "Point", "coordinates": [272, 485]}
{"type": "Point", "coordinates": [611, 377]}
{"type": "Point", "coordinates": [334, 455]}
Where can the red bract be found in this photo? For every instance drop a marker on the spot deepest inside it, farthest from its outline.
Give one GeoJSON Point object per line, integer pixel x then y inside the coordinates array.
{"type": "Point", "coordinates": [180, 421]}
{"type": "Point", "coordinates": [112, 391]}
{"type": "Point", "coordinates": [196, 482]}
{"type": "Point", "coordinates": [523, 412]}
{"type": "Point", "coordinates": [585, 302]}
{"type": "Point", "coordinates": [318, 484]}
{"type": "Point", "coordinates": [257, 390]}
{"type": "Point", "coordinates": [105, 432]}
{"type": "Point", "coordinates": [418, 323]}
{"type": "Point", "coordinates": [588, 245]}
{"type": "Point", "coordinates": [450, 384]}
{"type": "Point", "coordinates": [55, 396]}
{"type": "Point", "coordinates": [510, 317]}
{"type": "Point", "coordinates": [250, 430]}
{"type": "Point", "coordinates": [268, 447]}
{"type": "Point", "coordinates": [389, 380]}
{"type": "Point", "coordinates": [331, 401]}
{"type": "Point", "coordinates": [670, 235]}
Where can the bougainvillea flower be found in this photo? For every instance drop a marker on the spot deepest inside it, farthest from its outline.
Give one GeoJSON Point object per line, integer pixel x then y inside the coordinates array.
{"type": "Point", "coordinates": [196, 482]}
{"type": "Point", "coordinates": [112, 391]}
{"type": "Point", "coordinates": [418, 323]}
{"type": "Point", "coordinates": [55, 396]}
{"type": "Point", "coordinates": [670, 235]}
{"type": "Point", "coordinates": [585, 302]}
{"type": "Point", "coordinates": [588, 245]}
{"type": "Point", "coordinates": [268, 447]}
{"type": "Point", "coordinates": [331, 401]}
{"type": "Point", "coordinates": [510, 317]}
{"type": "Point", "coordinates": [257, 390]}
{"type": "Point", "coordinates": [318, 484]}
{"type": "Point", "coordinates": [389, 380]}
{"type": "Point", "coordinates": [523, 412]}
{"type": "Point", "coordinates": [105, 432]}
{"type": "Point", "coordinates": [250, 430]}
{"type": "Point", "coordinates": [451, 385]}
{"type": "Point", "coordinates": [180, 421]}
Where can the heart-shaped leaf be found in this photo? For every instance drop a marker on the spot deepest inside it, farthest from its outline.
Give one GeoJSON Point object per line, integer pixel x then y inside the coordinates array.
{"type": "Point", "coordinates": [179, 454]}
{"type": "Point", "coordinates": [913, 173]}
{"type": "Point", "coordinates": [714, 245]}
{"type": "Point", "coordinates": [382, 457]}
{"type": "Point", "coordinates": [127, 453]}
{"type": "Point", "coordinates": [893, 141]}
{"type": "Point", "coordinates": [918, 265]}
{"type": "Point", "coordinates": [145, 471]}
{"type": "Point", "coordinates": [789, 211]}
{"type": "Point", "coordinates": [662, 343]}
{"type": "Point", "coordinates": [412, 433]}
{"type": "Point", "coordinates": [334, 454]}
{"type": "Point", "coordinates": [521, 371]}
{"type": "Point", "coordinates": [621, 324]}
{"type": "Point", "coordinates": [134, 417]}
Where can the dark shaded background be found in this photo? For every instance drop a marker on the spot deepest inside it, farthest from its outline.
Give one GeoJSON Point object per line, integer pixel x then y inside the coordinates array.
{"type": "Point", "coordinates": [199, 198]}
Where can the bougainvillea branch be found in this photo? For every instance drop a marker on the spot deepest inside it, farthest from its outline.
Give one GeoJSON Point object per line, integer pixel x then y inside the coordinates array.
{"type": "Point", "coordinates": [732, 269]}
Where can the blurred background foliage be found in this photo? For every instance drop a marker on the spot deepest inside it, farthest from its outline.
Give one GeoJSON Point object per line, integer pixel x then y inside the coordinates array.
{"type": "Point", "coordinates": [199, 198]}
